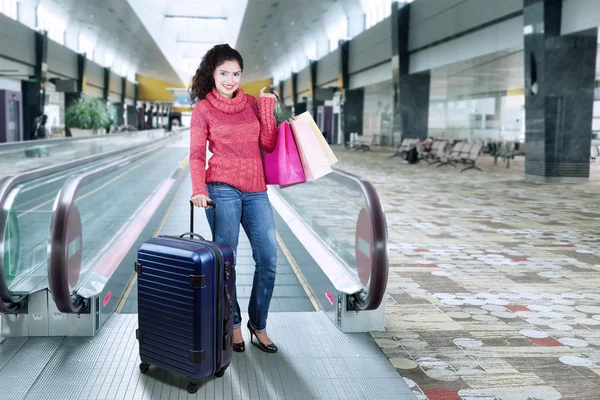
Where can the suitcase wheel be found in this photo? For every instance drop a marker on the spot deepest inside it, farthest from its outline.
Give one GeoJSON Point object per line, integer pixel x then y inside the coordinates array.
{"type": "Point", "coordinates": [192, 388]}
{"type": "Point", "coordinates": [144, 367]}
{"type": "Point", "coordinates": [221, 372]}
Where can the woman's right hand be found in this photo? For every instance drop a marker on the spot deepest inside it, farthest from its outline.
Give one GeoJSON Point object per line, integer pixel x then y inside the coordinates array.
{"type": "Point", "coordinates": [201, 200]}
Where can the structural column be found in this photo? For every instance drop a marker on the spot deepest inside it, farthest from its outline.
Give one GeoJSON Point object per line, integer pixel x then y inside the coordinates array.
{"type": "Point", "coordinates": [411, 91]}
{"type": "Point", "coordinates": [559, 95]}
{"type": "Point", "coordinates": [106, 89]}
{"type": "Point", "coordinates": [34, 89]}
{"type": "Point", "coordinates": [352, 100]}
{"type": "Point", "coordinates": [294, 88]}
{"type": "Point", "coordinates": [71, 98]}
{"type": "Point", "coordinates": [121, 106]}
{"type": "Point", "coordinates": [313, 86]}
{"type": "Point", "coordinates": [281, 90]}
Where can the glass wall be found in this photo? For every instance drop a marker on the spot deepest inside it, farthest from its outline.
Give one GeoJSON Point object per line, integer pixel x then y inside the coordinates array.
{"type": "Point", "coordinates": [55, 110]}
{"type": "Point", "coordinates": [479, 99]}
{"type": "Point", "coordinates": [484, 99]}
{"type": "Point", "coordinates": [378, 112]}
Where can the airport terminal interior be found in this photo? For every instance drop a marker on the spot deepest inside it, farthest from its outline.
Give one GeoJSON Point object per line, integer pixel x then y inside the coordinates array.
{"type": "Point", "coordinates": [446, 249]}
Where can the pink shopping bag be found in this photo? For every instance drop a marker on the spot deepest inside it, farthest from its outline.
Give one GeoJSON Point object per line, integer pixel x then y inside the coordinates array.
{"type": "Point", "coordinates": [331, 158]}
{"type": "Point", "coordinates": [283, 165]}
{"type": "Point", "coordinates": [314, 160]}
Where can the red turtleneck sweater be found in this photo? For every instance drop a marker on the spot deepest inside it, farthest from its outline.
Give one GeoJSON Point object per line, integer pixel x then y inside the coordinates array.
{"type": "Point", "coordinates": [236, 129]}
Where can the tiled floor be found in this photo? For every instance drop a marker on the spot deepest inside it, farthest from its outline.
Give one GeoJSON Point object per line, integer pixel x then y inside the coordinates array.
{"type": "Point", "coordinates": [494, 287]}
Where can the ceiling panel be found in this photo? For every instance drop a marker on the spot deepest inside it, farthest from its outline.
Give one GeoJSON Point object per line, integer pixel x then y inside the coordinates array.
{"type": "Point", "coordinates": [185, 29]}
{"type": "Point", "coordinates": [274, 32]}
{"type": "Point", "coordinates": [117, 33]}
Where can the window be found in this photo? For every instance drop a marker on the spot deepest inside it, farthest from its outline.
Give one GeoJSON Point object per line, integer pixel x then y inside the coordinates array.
{"type": "Point", "coordinates": [109, 59]}
{"type": "Point", "coordinates": [377, 10]}
{"type": "Point", "coordinates": [53, 24]}
{"type": "Point", "coordinates": [311, 50]}
{"type": "Point", "coordinates": [86, 45]}
{"type": "Point", "coordinates": [337, 32]}
{"type": "Point", "coordinates": [9, 8]}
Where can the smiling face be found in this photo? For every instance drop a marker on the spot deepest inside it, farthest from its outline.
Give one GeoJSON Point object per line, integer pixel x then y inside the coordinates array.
{"type": "Point", "coordinates": [227, 78]}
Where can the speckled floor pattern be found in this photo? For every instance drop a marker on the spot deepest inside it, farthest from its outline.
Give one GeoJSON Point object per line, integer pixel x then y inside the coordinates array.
{"type": "Point", "coordinates": [494, 286]}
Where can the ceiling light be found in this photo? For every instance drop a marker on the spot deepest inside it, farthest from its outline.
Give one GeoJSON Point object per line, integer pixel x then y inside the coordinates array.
{"type": "Point", "coordinates": [195, 41]}
{"type": "Point", "coordinates": [193, 17]}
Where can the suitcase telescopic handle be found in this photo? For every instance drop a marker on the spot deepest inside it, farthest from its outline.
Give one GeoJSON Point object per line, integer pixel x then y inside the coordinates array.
{"type": "Point", "coordinates": [214, 217]}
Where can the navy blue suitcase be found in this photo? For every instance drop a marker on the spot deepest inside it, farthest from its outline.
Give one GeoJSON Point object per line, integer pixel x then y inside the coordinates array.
{"type": "Point", "coordinates": [185, 305]}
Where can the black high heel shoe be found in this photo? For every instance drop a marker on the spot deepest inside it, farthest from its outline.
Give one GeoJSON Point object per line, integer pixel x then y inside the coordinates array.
{"type": "Point", "coordinates": [267, 348]}
{"type": "Point", "coordinates": [239, 347]}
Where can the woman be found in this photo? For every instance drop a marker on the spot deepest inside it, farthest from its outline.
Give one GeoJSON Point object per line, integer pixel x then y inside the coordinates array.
{"type": "Point", "coordinates": [237, 127]}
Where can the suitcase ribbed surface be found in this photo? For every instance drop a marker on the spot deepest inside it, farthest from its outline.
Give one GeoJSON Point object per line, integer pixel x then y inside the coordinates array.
{"type": "Point", "coordinates": [174, 317]}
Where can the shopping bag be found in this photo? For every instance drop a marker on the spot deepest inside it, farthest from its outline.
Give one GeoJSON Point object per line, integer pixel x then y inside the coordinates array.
{"type": "Point", "coordinates": [314, 161]}
{"type": "Point", "coordinates": [283, 165]}
{"type": "Point", "coordinates": [331, 158]}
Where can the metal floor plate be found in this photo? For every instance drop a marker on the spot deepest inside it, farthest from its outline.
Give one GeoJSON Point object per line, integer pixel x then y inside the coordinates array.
{"type": "Point", "coordinates": [315, 361]}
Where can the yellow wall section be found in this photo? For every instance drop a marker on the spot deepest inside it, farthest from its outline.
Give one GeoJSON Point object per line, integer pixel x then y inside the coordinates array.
{"type": "Point", "coordinates": [253, 88]}
{"type": "Point", "coordinates": [182, 110]}
{"type": "Point", "coordinates": [515, 91]}
{"type": "Point", "coordinates": [152, 89]}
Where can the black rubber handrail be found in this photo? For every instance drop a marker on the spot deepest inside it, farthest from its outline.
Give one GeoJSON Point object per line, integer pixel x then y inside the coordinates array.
{"type": "Point", "coordinates": [371, 298]}
{"type": "Point", "coordinates": [13, 302]}
{"type": "Point", "coordinates": [58, 275]}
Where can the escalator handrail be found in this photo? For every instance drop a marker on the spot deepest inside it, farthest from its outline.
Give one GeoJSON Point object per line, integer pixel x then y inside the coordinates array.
{"type": "Point", "coordinates": [6, 308]}
{"type": "Point", "coordinates": [45, 142]}
{"type": "Point", "coordinates": [10, 182]}
{"type": "Point", "coordinates": [379, 248]}
{"type": "Point", "coordinates": [58, 275]}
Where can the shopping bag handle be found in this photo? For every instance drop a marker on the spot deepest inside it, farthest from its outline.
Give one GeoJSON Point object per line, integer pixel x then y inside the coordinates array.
{"type": "Point", "coordinates": [284, 107]}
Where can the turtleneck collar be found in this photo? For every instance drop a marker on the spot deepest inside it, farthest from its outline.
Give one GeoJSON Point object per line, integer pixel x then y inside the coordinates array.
{"type": "Point", "coordinates": [229, 106]}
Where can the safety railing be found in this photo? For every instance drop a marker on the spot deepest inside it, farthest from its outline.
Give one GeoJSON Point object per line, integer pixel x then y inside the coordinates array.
{"type": "Point", "coordinates": [94, 215]}
{"type": "Point", "coordinates": [347, 216]}
{"type": "Point", "coordinates": [15, 259]}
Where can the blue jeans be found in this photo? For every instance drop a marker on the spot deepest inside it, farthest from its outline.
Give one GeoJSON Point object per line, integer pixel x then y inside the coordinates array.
{"type": "Point", "coordinates": [254, 212]}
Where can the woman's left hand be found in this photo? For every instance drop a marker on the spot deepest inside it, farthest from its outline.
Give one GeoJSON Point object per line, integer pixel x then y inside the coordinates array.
{"type": "Point", "coordinates": [263, 94]}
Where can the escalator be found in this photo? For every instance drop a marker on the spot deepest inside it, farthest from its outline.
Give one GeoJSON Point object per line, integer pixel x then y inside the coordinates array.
{"type": "Point", "coordinates": [332, 249]}
{"type": "Point", "coordinates": [19, 157]}
{"type": "Point", "coordinates": [27, 201]}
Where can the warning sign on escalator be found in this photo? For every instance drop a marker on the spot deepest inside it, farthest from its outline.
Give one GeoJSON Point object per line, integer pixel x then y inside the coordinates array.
{"type": "Point", "coordinates": [11, 246]}
{"type": "Point", "coordinates": [364, 246]}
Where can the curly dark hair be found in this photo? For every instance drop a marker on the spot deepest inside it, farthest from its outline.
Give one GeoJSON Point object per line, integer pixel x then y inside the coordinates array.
{"type": "Point", "coordinates": [203, 81]}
